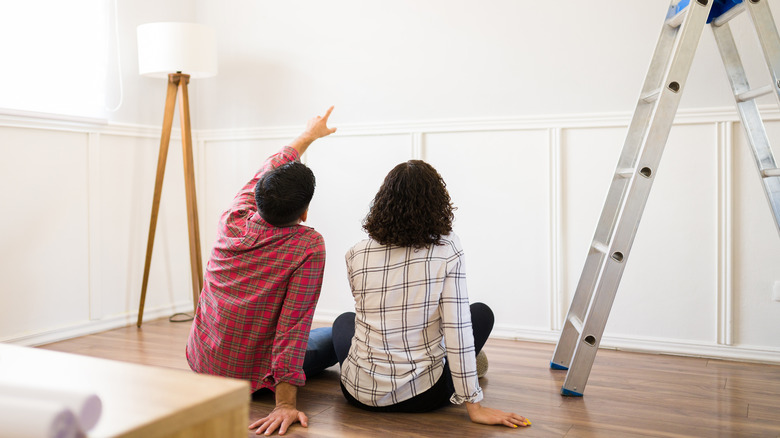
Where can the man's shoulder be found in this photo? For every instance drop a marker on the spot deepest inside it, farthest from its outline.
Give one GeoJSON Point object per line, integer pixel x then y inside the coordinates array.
{"type": "Point", "coordinates": [311, 236]}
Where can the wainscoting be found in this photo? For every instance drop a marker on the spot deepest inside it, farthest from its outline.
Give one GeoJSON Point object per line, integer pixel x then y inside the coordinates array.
{"type": "Point", "coordinates": [529, 192]}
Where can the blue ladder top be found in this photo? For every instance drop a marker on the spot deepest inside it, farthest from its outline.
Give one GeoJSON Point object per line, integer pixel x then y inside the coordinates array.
{"type": "Point", "coordinates": [719, 7]}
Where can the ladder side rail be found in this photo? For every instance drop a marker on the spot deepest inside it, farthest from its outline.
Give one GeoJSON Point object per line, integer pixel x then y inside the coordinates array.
{"type": "Point", "coordinates": [636, 199]}
{"type": "Point", "coordinates": [765, 27]}
{"type": "Point", "coordinates": [740, 86]}
{"type": "Point", "coordinates": [750, 116]}
{"type": "Point", "coordinates": [594, 261]}
{"type": "Point", "coordinates": [637, 130]}
{"type": "Point", "coordinates": [654, 81]}
{"type": "Point", "coordinates": [570, 333]}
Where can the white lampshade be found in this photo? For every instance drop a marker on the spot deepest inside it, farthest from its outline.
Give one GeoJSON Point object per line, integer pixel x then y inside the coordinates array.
{"type": "Point", "coordinates": [165, 48]}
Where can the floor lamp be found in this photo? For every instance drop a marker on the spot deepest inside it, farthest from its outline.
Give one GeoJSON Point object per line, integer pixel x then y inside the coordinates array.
{"type": "Point", "coordinates": [178, 51]}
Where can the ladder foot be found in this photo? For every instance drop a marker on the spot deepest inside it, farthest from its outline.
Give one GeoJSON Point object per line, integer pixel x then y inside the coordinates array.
{"type": "Point", "coordinates": [569, 393]}
{"type": "Point", "coordinates": [555, 366]}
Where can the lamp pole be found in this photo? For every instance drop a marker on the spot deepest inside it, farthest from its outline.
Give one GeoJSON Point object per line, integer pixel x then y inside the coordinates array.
{"type": "Point", "coordinates": [177, 84]}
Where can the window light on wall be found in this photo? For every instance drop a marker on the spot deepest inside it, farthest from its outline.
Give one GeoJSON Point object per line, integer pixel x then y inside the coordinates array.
{"type": "Point", "coordinates": [55, 57]}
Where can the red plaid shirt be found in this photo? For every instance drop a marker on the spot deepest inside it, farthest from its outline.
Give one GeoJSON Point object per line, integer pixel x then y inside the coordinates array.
{"type": "Point", "coordinates": [261, 286]}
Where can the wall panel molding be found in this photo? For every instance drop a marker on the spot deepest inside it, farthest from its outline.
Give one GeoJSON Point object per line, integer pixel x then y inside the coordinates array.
{"type": "Point", "coordinates": [418, 145]}
{"type": "Point", "coordinates": [725, 302]}
{"type": "Point", "coordinates": [93, 186]}
{"type": "Point", "coordinates": [413, 135]}
{"type": "Point", "coordinates": [19, 118]}
{"type": "Point", "coordinates": [591, 120]}
{"type": "Point", "coordinates": [558, 308]}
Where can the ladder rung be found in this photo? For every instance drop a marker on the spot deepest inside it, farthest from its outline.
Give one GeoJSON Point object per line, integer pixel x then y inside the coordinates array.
{"type": "Point", "coordinates": [651, 96]}
{"type": "Point", "coordinates": [677, 19]}
{"type": "Point", "coordinates": [625, 172]}
{"type": "Point", "coordinates": [600, 247]}
{"type": "Point", "coordinates": [731, 13]}
{"type": "Point", "coordinates": [754, 93]}
{"type": "Point", "coordinates": [576, 323]}
{"type": "Point", "coordinates": [770, 172]}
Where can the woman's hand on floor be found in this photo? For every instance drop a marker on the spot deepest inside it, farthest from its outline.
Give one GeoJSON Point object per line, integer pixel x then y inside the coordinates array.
{"type": "Point", "coordinates": [483, 415]}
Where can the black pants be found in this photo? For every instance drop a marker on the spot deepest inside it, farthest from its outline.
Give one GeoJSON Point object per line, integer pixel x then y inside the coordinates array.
{"type": "Point", "coordinates": [439, 394]}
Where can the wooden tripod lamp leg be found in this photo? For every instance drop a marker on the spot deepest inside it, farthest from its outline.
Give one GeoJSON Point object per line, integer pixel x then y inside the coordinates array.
{"type": "Point", "coordinates": [170, 107]}
{"type": "Point", "coordinates": [189, 186]}
{"type": "Point", "coordinates": [177, 82]}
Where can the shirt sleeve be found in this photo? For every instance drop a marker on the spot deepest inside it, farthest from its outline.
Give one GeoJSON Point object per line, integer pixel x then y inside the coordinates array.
{"type": "Point", "coordinates": [458, 334]}
{"type": "Point", "coordinates": [245, 199]}
{"type": "Point", "coordinates": [294, 325]}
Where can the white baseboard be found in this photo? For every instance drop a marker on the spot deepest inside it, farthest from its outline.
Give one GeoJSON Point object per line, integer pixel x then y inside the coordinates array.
{"type": "Point", "coordinates": [743, 353]}
{"type": "Point", "coordinates": [96, 326]}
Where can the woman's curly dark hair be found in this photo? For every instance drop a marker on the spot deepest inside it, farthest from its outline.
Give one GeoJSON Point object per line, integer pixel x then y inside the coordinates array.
{"type": "Point", "coordinates": [411, 208]}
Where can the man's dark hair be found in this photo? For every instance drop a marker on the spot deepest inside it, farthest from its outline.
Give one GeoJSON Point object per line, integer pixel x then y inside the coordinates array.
{"type": "Point", "coordinates": [283, 194]}
{"type": "Point", "coordinates": [411, 208]}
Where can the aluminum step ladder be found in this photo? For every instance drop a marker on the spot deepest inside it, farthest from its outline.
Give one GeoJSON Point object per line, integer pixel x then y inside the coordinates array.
{"type": "Point", "coordinates": [642, 150]}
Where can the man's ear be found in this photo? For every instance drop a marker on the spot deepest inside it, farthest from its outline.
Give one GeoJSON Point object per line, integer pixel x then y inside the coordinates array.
{"type": "Point", "coordinates": [305, 215]}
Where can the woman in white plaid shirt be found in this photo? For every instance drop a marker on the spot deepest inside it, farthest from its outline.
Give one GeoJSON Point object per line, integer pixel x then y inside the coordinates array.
{"type": "Point", "coordinates": [410, 346]}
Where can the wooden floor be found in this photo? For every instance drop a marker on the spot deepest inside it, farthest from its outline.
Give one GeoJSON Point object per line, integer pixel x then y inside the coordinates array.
{"type": "Point", "coordinates": [628, 394]}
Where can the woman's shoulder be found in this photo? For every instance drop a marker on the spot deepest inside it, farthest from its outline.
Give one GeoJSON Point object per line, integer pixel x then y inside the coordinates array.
{"type": "Point", "coordinates": [449, 247]}
{"type": "Point", "coordinates": [451, 240]}
{"type": "Point", "coordinates": [362, 246]}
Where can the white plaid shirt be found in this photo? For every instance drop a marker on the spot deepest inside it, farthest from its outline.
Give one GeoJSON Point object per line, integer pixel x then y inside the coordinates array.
{"type": "Point", "coordinates": [412, 308]}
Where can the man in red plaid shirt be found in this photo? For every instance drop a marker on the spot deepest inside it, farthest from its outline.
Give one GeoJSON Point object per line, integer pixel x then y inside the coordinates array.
{"type": "Point", "coordinates": [262, 284]}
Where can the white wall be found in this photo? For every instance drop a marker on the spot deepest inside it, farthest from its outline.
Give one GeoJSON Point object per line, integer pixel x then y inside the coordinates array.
{"type": "Point", "coordinates": [410, 60]}
{"type": "Point", "coordinates": [523, 108]}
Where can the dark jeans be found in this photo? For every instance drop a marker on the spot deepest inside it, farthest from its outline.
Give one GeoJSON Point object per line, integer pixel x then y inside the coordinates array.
{"type": "Point", "coordinates": [439, 394]}
{"type": "Point", "coordinates": [320, 355]}
{"type": "Point", "coordinates": [319, 352]}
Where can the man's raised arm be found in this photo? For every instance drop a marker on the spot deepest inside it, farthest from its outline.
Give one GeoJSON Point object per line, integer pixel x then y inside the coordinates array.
{"type": "Point", "coordinates": [317, 127]}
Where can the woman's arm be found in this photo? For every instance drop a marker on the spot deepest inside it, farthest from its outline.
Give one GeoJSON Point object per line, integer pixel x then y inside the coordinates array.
{"type": "Point", "coordinates": [459, 339]}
